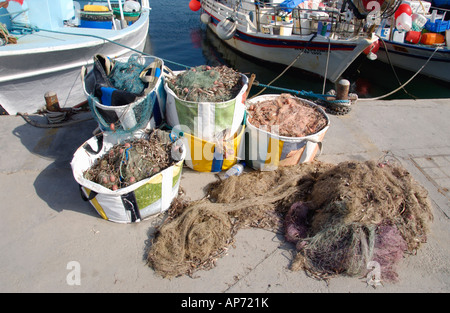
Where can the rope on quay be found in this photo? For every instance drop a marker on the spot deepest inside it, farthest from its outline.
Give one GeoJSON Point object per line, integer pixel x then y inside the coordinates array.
{"type": "Point", "coordinates": [334, 106]}
{"type": "Point", "coordinates": [27, 119]}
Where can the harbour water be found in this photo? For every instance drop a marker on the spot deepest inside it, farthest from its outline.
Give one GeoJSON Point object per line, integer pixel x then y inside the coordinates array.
{"type": "Point", "coordinates": [176, 34]}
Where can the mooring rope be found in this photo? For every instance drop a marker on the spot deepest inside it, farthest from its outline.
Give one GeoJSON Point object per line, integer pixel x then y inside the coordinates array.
{"type": "Point", "coordinates": [322, 97]}
{"type": "Point", "coordinates": [309, 94]}
{"type": "Point", "coordinates": [407, 82]}
{"type": "Point", "coordinates": [289, 65]}
{"type": "Point", "coordinates": [37, 29]}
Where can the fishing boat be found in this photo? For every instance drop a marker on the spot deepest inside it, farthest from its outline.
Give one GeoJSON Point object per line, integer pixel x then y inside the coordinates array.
{"type": "Point", "coordinates": [422, 48]}
{"type": "Point", "coordinates": [322, 37]}
{"type": "Point", "coordinates": [46, 42]}
{"type": "Point", "coordinates": [434, 60]}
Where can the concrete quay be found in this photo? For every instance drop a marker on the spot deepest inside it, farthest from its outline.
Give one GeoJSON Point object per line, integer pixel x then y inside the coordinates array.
{"type": "Point", "coordinates": [47, 230]}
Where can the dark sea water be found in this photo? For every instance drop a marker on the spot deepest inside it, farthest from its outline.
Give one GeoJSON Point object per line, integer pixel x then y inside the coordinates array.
{"type": "Point", "coordinates": [177, 35]}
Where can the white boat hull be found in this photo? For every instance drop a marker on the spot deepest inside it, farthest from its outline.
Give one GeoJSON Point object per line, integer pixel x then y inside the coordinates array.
{"type": "Point", "coordinates": [28, 71]}
{"type": "Point", "coordinates": [413, 57]}
{"type": "Point", "coordinates": [320, 55]}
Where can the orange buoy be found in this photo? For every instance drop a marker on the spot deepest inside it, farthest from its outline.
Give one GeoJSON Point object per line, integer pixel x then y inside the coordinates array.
{"type": "Point", "coordinates": [432, 38]}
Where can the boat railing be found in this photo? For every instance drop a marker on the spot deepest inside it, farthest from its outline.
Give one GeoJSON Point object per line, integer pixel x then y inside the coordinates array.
{"type": "Point", "coordinates": [269, 18]}
{"type": "Point", "coordinates": [324, 21]}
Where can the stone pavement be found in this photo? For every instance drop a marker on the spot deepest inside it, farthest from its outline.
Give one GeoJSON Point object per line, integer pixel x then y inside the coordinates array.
{"type": "Point", "coordinates": [47, 231]}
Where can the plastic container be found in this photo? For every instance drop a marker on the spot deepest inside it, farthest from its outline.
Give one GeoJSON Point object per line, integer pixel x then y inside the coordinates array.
{"type": "Point", "coordinates": [418, 22]}
{"type": "Point", "coordinates": [213, 156]}
{"type": "Point", "coordinates": [134, 203]}
{"type": "Point", "coordinates": [413, 37]}
{"type": "Point", "coordinates": [403, 22]}
{"type": "Point", "coordinates": [432, 38]}
{"type": "Point", "coordinates": [206, 119]}
{"type": "Point", "coordinates": [130, 117]}
{"type": "Point", "coordinates": [95, 8]}
{"type": "Point", "coordinates": [235, 170]}
{"type": "Point", "coordinates": [95, 24]}
{"type": "Point", "coordinates": [438, 26]}
{"type": "Point", "coordinates": [418, 6]}
{"type": "Point", "coordinates": [383, 32]}
{"type": "Point", "coordinates": [302, 25]}
{"type": "Point", "coordinates": [323, 28]}
{"type": "Point", "coordinates": [398, 36]}
{"type": "Point", "coordinates": [286, 29]}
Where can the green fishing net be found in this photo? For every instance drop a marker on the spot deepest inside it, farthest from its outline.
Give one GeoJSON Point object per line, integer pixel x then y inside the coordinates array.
{"type": "Point", "coordinates": [126, 75]}
{"type": "Point", "coordinates": [206, 84]}
{"type": "Point", "coordinates": [133, 76]}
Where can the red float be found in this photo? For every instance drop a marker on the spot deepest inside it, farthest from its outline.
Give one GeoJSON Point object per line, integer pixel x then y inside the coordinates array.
{"type": "Point", "coordinates": [195, 5]}
{"type": "Point", "coordinates": [403, 8]}
{"type": "Point", "coordinates": [413, 37]}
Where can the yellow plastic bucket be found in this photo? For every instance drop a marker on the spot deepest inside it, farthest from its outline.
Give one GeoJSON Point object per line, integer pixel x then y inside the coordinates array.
{"type": "Point", "coordinates": [213, 156]}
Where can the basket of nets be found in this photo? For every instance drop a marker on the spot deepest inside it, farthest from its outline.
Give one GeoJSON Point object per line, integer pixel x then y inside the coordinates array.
{"type": "Point", "coordinates": [283, 130]}
{"type": "Point", "coordinates": [125, 94]}
{"type": "Point", "coordinates": [206, 100]}
{"type": "Point", "coordinates": [129, 177]}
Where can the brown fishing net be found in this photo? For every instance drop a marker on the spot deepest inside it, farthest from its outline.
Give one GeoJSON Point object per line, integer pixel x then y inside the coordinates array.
{"type": "Point", "coordinates": [293, 116]}
{"type": "Point", "coordinates": [360, 211]}
{"type": "Point", "coordinates": [132, 161]}
{"type": "Point", "coordinates": [339, 216]}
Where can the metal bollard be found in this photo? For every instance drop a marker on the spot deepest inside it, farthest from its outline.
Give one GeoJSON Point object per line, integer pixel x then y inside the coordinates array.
{"type": "Point", "coordinates": [342, 89]}
{"type": "Point", "coordinates": [52, 103]}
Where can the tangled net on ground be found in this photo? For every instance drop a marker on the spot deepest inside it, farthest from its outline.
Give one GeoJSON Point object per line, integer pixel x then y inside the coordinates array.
{"type": "Point", "coordinates": [206, 84]}
{"type": "Point", "coordinates": [340, 217]}
{"type": "Point", "coordinates": [362, 212]}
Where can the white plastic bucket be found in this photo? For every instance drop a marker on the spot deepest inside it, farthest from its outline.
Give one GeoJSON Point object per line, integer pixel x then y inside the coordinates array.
{"type": "Point", "coordinates": [206, 119]}
{"type": "Point", "coordinates": [266, 151]}
{"type": "Point", "coordinates": [134, 203]}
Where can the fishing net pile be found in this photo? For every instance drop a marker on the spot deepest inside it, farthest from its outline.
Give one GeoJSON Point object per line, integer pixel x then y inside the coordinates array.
{"type": "Point", "coordinates": [294, 117]}
{"type": "Point", "coordinates": [127, 75]}
{"type": "Point", "coordinates": [357, 213]}
{"type": "Point", "coordinates": [120, 92]}
{"type": "Point", "coordinates": [338, 216]}
{"type": "Point", "coordinates": [132, 161]}
{"type": "Point", "coordinates": [206, 84]}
